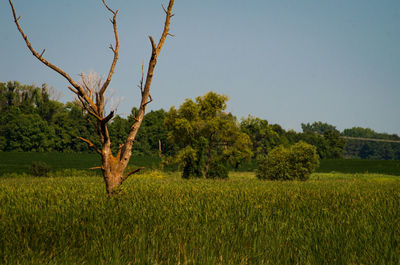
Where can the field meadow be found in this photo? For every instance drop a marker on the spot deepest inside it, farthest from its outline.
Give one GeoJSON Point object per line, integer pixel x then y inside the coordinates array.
{"type": "Point", "coordinates": [159, 218]}
{"type": "Point", "coordinates": [19, 162]}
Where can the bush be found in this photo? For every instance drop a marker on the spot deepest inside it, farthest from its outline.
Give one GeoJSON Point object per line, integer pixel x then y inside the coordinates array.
{"type": "Point", "coordinates": [39, 169]}
{"type": "Point", "coordinates": [294, 163]}
{"type": "Point", "coordinates": [217, 170]}
{"type": "Point", "coordinates": [191, 165]}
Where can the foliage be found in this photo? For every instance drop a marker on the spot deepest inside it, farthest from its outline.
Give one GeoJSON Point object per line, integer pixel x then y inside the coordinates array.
{"type": "Point", "coordinates": [28, 132]}
{"type": "Point", "coordinates": [32, 120]}
{"type": "Point", "coordinates": [325, 137]}
{"type": "Point", "coordinates": [204, 133]}
{"type": "Point", "coordinates": [294, 163]}
{"type": "Point", "coordinates": [330, 219]}
{"type": "Point", "coordinates": [370, 149]}
{"type": "Point", "coordinates": [192, 166]}
{"type": "Point", "coordinates": [218, 170]}
{"type": "Point", "coordinates": [264, 137]}
{"type": "Point", "coordinates": [39, 169]}
{"type": "Point", "coordinates": [317, 127]}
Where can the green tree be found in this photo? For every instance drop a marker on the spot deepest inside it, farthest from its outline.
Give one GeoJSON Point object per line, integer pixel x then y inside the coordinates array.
{"type": "Point", "coordinates": [264, 137]}
{"type": "Point", "coordinates": [69, 123]}
{"type": "Point", "coordinates": [325, 137]}
{"type": "Point", "coordinates": [206, 135]}
{"type": "Point", "coordinates": [364, 146]}
{"type": "Point", "coordinates": [317, 127]}
{"type": "Point", "coordinates": [151, 134]}
{"type": "Point", "coordinates": [28, 132]}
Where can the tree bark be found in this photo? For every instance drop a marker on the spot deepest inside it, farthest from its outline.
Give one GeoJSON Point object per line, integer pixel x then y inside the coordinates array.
{"type": "Point", "coordinates": [159, 148]}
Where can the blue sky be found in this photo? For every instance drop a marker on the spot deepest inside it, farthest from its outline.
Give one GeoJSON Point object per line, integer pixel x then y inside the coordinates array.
{"type": "Point", "coordinates": [290, 62]}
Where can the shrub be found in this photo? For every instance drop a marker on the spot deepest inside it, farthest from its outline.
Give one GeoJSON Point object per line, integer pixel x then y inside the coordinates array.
{"type": "Point", "coordinates": [217, 170]}
{"type": "Point", "coordinates": [191, 165]}
{"type": "Point", "coordinates": [294, 163]}
{"type": "Point", "coordinates": [39, 169]}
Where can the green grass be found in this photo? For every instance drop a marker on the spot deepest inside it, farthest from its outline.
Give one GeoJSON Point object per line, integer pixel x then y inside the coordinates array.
{"type": "Point", "coordinates": [389, 167]}
{"type": "Point", "coordinates": [19, 162]}
{"type": "Point", "coordinates": [159, 218]}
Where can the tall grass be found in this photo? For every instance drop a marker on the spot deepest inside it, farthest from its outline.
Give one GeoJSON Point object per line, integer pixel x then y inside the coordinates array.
{"type": "Point", "coordinates": [159, 218]}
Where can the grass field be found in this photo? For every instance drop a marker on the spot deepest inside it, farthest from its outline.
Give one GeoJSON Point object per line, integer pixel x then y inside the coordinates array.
{"type": "Point", "coordinates": [18, 162]}
{"type": "Point", "coordinates": [159, 218]}
{"type": "Point", "coordinates": [390, 167]}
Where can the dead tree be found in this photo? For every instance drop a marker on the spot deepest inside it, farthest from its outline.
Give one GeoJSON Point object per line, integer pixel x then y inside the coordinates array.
{"type": "Point", "coordinates": [112, 166]}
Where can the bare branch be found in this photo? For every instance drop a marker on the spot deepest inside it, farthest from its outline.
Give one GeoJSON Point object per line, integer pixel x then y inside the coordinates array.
{"type": "Point", "coordinates": [42, 53]}
{"type": "Point", "coordinates": [166, 26]}
{"type": "Point", "coordinates": [112, 48]}
{"type": "Point", "coordinates": [73, 90]}
{"type": "Point", "coordinates": [146, 98]}
{"type": "Point", "coordinates": [36, 54]}
{"type": "Point", "coordinates": [131, 173]}
{"type": "Point", "coordinates": [88, 108]}
{"type": "Point", "coordinates": [150, 100]}
{"type": "Point", "coordinates": [141, 80]}
{"type": "Point", "coordinates": [119, 151]}
{"type": "Point", "coordinates": [93, 114]}
{"type": "Point", "coordinates": [108, 118]}
{"type": "Point", "coordinates": [85, 84]}
{"type": "Point", "coordinates": [49, 64]}
{"type": "Point", "coordinates": [109, 9]}
{"type": "Point", "coordinates": [153, 45]}
{"type": "Point", "coordinates": [90, 144]}
{"type": "Point", "coordinates": [92, 168]}
{"type": "Point", "coordinates": [165, 10]}
{"type": "Point", "coordinates": [92, 98]}
{"type": "Point", "coordinates": [115, 51]}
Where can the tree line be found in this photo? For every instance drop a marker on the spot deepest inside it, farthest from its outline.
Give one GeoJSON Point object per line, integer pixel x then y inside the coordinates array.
{"type": "Point", "coordinates": [32, 121]}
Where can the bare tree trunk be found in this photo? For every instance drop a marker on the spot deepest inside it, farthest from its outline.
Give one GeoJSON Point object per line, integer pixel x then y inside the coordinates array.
{"type": "Point", "coordinates": [159, 148]}
{"type": "Point", "coordinates": [113, 167]}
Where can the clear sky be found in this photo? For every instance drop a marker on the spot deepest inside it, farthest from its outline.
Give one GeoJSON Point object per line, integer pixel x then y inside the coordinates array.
{"type": "Point", "coordinates": [287, 61]}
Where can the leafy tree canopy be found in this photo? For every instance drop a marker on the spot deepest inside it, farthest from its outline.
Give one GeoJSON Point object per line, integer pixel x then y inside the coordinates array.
{"type": "Point", "coordinates": [264, 137]}
{"type": "Point", "coordinates": [205, 134]}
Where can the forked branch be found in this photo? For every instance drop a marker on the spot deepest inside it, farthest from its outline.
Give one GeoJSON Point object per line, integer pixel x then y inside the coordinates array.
{"type": "Point", "coordinates": [88, 103]}
{"type": "Point", "coordinates": [165, 33]}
